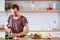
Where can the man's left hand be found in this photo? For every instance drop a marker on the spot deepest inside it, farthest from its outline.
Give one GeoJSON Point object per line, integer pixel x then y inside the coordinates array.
{"type": "Point", "coordinates": [16, 34]}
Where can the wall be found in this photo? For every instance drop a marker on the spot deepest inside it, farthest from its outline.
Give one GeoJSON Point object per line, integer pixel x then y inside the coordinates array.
{"type": "Point", "coordinates": [42, 20]}
{"type": "Point", "coordinates": [2, 5]}
{"type": "Point", "coordinates": [38, 20]}
{"type": "Point", "coordinates": [58, 27]}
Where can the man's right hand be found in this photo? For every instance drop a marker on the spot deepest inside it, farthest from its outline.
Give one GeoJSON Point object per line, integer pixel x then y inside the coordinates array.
{"type": "Point", "coordinates": [9, 30]}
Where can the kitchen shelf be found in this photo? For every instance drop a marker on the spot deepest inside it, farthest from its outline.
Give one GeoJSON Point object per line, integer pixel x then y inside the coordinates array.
{"type": "Point", "coordinates": [44, 30]}
{"type": "Point", "coordinates": [29, 11]}
{"type": "Point", "coordinates": [39, 10]}
{"type": "Point", "coordinates": [35, 11]}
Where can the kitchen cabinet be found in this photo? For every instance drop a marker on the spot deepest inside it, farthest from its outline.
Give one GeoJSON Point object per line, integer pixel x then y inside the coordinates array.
{"type": "Point", "coordinates": [2, 33]}
{"type": "Point", "coordinates": [2, 5]}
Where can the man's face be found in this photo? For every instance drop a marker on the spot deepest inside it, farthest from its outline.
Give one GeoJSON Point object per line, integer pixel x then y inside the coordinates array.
{"type": "Point", "coordinates": [14, 11]}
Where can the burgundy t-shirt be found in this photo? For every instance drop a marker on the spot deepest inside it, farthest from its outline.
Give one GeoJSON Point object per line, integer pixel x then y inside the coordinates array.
{"type": "Point", "coordinates": [17, 25]}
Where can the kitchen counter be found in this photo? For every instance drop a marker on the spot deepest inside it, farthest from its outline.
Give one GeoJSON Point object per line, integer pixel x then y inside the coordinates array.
{"type": "Point", "coordinates": [2, 30]}
{"type": "Point", "coordinates": [44, 30]}
{"type": "Point", "coordinates": [26, 38]}
{"type": "Point", "coordinates": [37, 39]}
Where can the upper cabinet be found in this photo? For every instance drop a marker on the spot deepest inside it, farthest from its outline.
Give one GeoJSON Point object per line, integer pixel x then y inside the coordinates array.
{"type": "Point", "coordinates": [2, 5]}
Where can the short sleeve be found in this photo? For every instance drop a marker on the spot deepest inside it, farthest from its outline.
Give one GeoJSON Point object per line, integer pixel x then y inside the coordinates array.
{"type": "Point", "coordinates": [24, 21]}
{"type": "Point", "coordinates": [8, 20]}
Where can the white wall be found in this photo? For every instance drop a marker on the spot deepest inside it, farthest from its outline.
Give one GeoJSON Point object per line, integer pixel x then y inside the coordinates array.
{"type": "Point", "coordinates": [2, 5]}
{"type": "Point", "coordinates": [42, 20]}
{"type": "Point", "coordinates": [2, 34]}
{"type": "Point", "coordinates": [37, 21]}
{"type": "Point", "coordinates": [58, 27]}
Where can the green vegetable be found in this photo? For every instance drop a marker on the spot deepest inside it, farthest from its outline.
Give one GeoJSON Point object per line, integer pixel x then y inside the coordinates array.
{"type": "Point", "coordinates": [9, 37]}
{"type": "Point", "coordinates": [39, 33]}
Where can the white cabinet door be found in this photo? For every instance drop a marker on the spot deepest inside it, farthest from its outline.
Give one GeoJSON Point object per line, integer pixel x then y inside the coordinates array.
{"type": "Point", "coordinates": [2, 34]}
{"type": "Point", "coordinates": [2, 5]}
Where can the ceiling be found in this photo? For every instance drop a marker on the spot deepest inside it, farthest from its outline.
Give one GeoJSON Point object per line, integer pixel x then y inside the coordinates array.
{"type": "Point", "coordinates": [32, 0]}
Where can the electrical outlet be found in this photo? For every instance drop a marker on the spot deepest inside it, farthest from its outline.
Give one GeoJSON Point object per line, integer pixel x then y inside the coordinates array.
{"type": "Point", "coordinates": [54, 21]}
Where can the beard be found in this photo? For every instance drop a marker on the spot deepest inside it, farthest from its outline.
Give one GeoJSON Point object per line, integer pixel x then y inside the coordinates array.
{"type": "Point", "coordinates": [15, 14]}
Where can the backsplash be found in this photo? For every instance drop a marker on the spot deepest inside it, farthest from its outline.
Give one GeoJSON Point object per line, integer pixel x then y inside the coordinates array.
{"type": "Point", "coordinates": [37, 21]}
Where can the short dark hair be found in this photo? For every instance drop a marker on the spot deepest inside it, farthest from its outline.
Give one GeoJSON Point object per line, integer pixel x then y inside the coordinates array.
{"type": "Point", "coordinates": [15, 6]}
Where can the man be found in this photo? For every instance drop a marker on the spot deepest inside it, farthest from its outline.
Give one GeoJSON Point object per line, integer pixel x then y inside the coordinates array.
{"type": "Point", "coordinates": [17, 23]}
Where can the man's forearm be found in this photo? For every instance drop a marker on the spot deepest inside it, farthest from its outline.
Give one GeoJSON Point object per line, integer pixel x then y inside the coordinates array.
{"type": "Point", "coordinates": [20, 34]}
{"type": "Point", "coordinates": [23, 33]}
{"type": "Point", "coordinates": [26, 30]}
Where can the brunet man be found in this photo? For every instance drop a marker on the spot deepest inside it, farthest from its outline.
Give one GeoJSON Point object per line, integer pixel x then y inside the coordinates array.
{"type": "Point", "coordinates": [18, 24]}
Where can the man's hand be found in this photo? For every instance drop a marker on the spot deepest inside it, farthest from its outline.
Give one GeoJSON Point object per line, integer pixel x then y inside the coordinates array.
{"type": "Point", "coordinates": [9, 30]}
{"type": "Point", "coordinates": [16, 34]}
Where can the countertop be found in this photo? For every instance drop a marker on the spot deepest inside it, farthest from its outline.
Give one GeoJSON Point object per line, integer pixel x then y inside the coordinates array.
{"type": "Point", "coordinates": [33, 39]}
{"type": "Point", "coordinates": [2, 30]}
{"type": "Point", "coordinates": [25, 38]}
{"type": "Point", "coordinates": [38, 39]}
